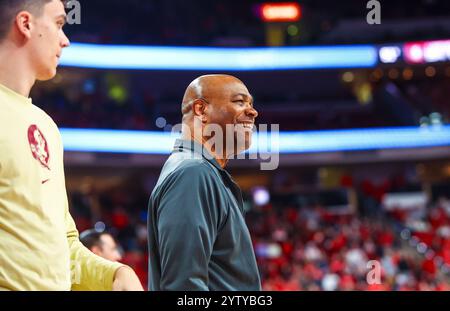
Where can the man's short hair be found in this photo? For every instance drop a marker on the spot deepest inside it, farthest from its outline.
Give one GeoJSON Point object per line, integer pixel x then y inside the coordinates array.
{"type": "Point", "coordinates": [91, 238]}
{"type": "Point", "coordinates": [10, 8]}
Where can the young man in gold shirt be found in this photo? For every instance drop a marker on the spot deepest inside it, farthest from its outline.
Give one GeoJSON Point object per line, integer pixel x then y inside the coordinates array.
{"type": "Point", "coordinates": [39, 244]}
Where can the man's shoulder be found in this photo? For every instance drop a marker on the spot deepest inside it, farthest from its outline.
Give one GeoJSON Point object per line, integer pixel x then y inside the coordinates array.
{"type": "Point", "coordinates": [13, 108]}
{"type": "Point", "coordinates": [45, 116]}
{"type": "Point", "coordinates": [47, 124]}
{"type": "Point", "coordinates": [184, 171]}
{"type": "Point", "coordinates": [192, 166]}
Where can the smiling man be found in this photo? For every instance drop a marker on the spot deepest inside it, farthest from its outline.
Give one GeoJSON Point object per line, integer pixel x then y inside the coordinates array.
{"type": "Point", "coordinates": [39, 244]}
{"type": "Point", "coordinates": [198, 239]}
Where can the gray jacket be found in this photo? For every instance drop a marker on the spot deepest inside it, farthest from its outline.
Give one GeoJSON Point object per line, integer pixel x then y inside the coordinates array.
{"type": "Point", "coordinates": [197, 236]}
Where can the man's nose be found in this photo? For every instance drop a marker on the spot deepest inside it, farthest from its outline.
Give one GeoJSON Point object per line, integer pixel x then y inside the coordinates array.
{"type": "Point", "coordinates": [252, 112]}
{"type": "Point", "coordinates": [65, 41]}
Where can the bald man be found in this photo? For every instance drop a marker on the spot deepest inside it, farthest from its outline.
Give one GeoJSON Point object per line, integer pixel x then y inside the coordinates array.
{"type": "Point", "coordinates": [198, 239]}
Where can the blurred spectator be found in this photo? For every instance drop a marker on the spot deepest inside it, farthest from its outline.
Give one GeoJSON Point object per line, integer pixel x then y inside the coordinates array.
{"type": "Point", "coordinates": [101, 244]}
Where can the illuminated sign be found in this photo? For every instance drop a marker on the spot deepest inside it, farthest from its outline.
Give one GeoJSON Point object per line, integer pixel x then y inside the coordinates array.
{"type": "Point", "coordinates": [120, 141]}
{"type": "Point", "coordinates": [280, 12]}
{"type": "Point", "coordinates": [427, 51]}
{"type": "Point", "coordinates": [390, 54]}
{"type": "Point", "coordinates": [247, 59]}
{"type": "Point", "coordinates": [213, 58]}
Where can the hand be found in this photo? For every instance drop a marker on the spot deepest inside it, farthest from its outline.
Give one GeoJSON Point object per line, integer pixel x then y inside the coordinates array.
{"type": "Point", "coordinates": [126, 279]}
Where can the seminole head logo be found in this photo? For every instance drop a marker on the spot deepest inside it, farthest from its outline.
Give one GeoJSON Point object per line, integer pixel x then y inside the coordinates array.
{"type": "Point", "coordinates": [38, 145]}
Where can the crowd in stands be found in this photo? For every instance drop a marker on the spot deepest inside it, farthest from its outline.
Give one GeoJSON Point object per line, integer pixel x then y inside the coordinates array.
{"type": "Point", "coordinates": [93, 105]}
{"type": "Point", "coordinates": [428, 96]}
{"type": "Point", "coordinates": [306, 247]}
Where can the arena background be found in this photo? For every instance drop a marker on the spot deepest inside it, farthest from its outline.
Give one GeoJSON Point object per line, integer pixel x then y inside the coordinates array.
{"type": "Point", "coordinates": [341, 198]}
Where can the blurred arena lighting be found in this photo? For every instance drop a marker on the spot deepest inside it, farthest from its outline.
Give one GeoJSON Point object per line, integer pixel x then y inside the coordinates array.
{"type": "Point", "coordinates": [430, 71]}
{"type": "Point", "coordinates": [99, 226]}
{"type": "Point", "coordinates": [168, 128]}
{"type": "Point", "coordinates": [268, 250]}
{"type": "Point", "coordinates": [405, 234]}
{"type": "Point", "coordinates": [422, 248]}
{"type": "Point", "coordinates": [292, 30]}
{"type": "Point", "coordinates": [280, 12]}
{"type": "Point", "coordinates": [363, 92]}
{"type": "Point", "coordinates": [424, 121]}
{"type": "Point", "coordinates": [214, 58]}
{"type": "Point", "coordinates": [414, 241]}
{"type": "Point", "coordinates": [118, 93]}
{"type": "Point", "coordinates": [348, 76]}
{"type": "Point", "coordinates": [408, 74]}
{"type": "Point", "coordinates": [257, 58]}
{"type": "Point", "coordinates": [404, 201]}
{"type": "Point", "coordinates": [330, 282]}
{"type": "Point", "coordinates": [439, 261]}
{"type": "Point", "coordinates": [390, 54]}
{"type": "Point", "coordinates": [378, 73]}
{"type": "Point", "coordinates": [427, 51]}
{"type": "Point", "coordinates": [161, 122]}
{"type": "Point", "coordinates": [89, 87]}
{"type": "Point", "coordinates": [393, 73]}
{"type": "Point", "coordinates": [261, 196]}
{"type": "Point", "coordinates": [430, 254]}
{"type": "Point", "coordinates": [436, 118]}
{"type": "Point", "coordinates": [120, 141]}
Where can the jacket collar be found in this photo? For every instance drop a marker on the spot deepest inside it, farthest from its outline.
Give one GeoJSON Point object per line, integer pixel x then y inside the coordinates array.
{"type": "Point", "coordinates": [197, 150]}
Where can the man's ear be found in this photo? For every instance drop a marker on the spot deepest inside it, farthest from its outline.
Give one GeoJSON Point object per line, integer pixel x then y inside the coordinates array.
{"type": "Point", "coordinates": [199, 108]}
{"type": "Point", "coordinates": [23, 23]}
